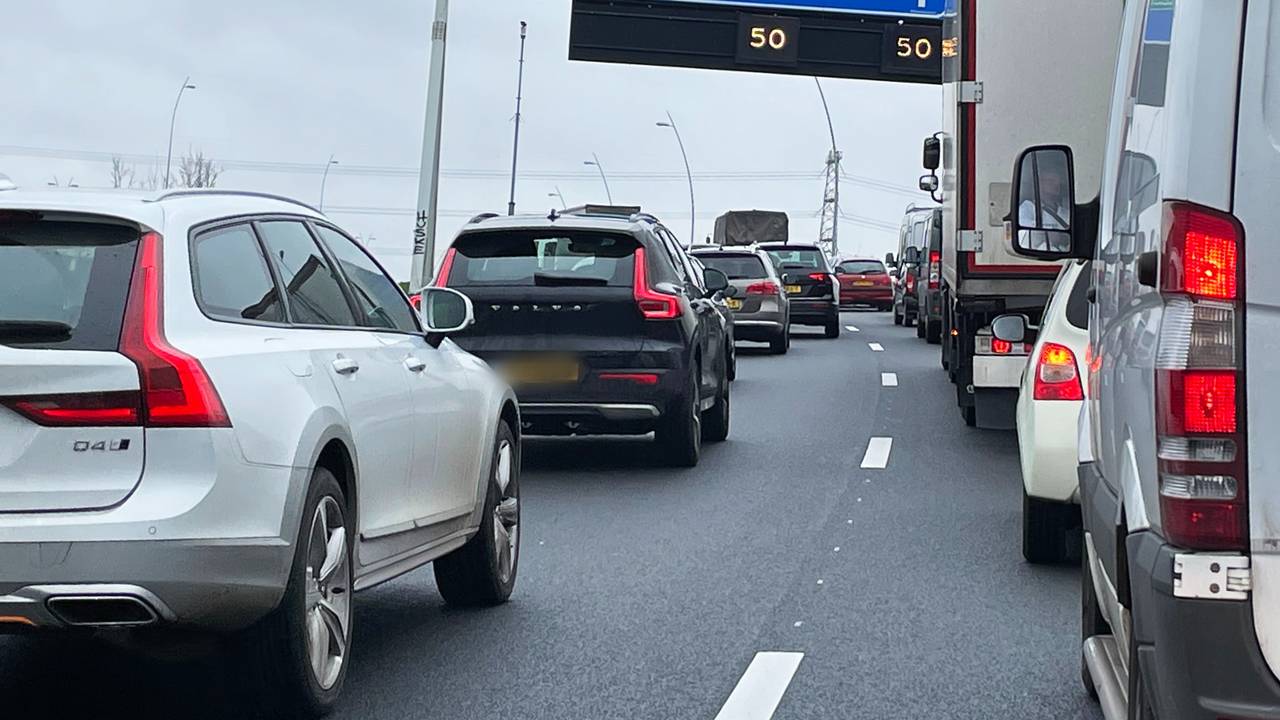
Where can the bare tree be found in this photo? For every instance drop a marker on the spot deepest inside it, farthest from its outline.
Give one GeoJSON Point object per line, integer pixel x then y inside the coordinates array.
{"type": "Point", "coordinates": [152, 180]}
{"type": "Point", "coordinates": [197, 171]}
{"type": "Point", "coordinates": [121, 175]}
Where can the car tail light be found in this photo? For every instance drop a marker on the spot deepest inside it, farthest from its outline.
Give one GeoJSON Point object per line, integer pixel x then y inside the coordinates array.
{"type": "Point", "coordinates": [93, 409]}
{"type": "Point", "coordinates": [446, 266]}
{"type": "Point", "coordinates": [416, 301]}
{"type": "Point", "coordinates": [1200, 382]}
{"type": "Point", "coordinates": [1056, 375]}
{"type": "Point", "coordinates": [653, 304]}
{"type": "Point", "coordinates": [819, 277]}
{"type": "Point", "coordinates": [637, 378]}
{"type": "Point", "coordinates": [176, 390]}
{"type": "Point", "coordinates": [764, 287]}
{"type": "Point", "coordinates": [988, 345]}
{"type": "Point", "coordinates": [935, 269]}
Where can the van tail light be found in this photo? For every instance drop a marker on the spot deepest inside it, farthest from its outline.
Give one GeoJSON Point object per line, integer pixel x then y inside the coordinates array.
{"type": "Point", "coordinates": [653, 304]}
{"type": "Point", "coordinates": [911, 283]}
{"type": "Point", "coordinates": [764, 287]}
{"type": "Point", "coordinates": [935, 269]}
{"type": "Point", "coordinates": [91, 409]}
{"type": "Point", "coordinates": [176, 390]}
{"type": "Point", "coordinates": [1057, 377]}
{"type": "Point", "coordinates": [1200, 382]}
{"type": "Point", "coordinates": [446, 266]}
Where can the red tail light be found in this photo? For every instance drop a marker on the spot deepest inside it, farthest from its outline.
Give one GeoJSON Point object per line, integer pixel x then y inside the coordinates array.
{"type": "Point", "coordinates": [653, 305]}
{"type": "Point", "coordinates": [1200, 383]}
{"type": "Point", "coordinates": [1001, 347]}
{"type": "Point", "coordinates": [935, 270]}
{"type": "Point", "coordinates": [176, 390]}
{"type": "Point", "coordinates": [95, 409]}
{"type": "Point", "coordinates": [446, 266]}
{"type": "Point", "coordinates": [764, 287]}
{"type": "Point", "coordinates": [416, 301]}
{"type": "Point", "coordinates": [637, 378]}
{"type": "Point", "coordinates": [911, 283]}
{"type": "Point", "coordinates": [819, 277]}
{"type": "Point", "coordinates": [1056, 375]}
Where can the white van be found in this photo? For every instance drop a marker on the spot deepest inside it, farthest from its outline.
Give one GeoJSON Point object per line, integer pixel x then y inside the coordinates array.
{"type": "Point", "coordinates": [1178, 476]}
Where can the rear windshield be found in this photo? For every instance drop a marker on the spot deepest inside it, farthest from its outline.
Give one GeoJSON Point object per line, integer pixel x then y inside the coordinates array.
{"type": "Point", "coordinates": [798, 258]}
{"type": "Point", "coordinates": [64, 283]}
{"type": "Point", "coordinates": [737, 267]}
{"type": "Point", "coordinates": [861, 267]}
{"type": "Point", "coordinates": [1078, 301]}
{"type": "Point", "coordinates": [544, 258]}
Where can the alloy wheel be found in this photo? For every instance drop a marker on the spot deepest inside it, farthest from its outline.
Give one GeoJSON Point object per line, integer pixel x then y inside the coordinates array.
{"type": "Point", "coordinates": [506, 513]}
{"type": "Point", "coordinates": [328, 593]}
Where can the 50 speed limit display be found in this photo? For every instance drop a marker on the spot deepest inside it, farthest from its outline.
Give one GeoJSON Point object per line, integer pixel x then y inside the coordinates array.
{"type": "Point", "coordinates": [768, 39]}
{"type": "Point", "coordinates": [912, 49]}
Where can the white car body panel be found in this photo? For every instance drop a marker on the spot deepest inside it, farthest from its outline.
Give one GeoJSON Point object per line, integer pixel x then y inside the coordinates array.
{"type": "Point", "coordinates": [998, 371]}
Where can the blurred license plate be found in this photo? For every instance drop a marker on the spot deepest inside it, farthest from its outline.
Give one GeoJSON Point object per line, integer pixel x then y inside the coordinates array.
{"type": "Point", "coordinates": [733, 303]}
{"type": "Point", "coordinates": [794, 289]}
{"type": "Point", "coordinates": [542, 371]}
{"type": "Point", "coordinates": [863, 283]}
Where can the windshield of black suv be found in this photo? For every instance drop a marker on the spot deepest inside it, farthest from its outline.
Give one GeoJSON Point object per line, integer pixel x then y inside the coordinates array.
{"type": "Point", "coordinates": [544, 257]}
{"type": "Point", "coordinates": [737, 267]}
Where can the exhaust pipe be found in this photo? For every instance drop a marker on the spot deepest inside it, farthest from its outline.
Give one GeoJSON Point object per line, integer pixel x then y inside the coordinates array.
{"type": "Point", "coordinates": [102, 611]}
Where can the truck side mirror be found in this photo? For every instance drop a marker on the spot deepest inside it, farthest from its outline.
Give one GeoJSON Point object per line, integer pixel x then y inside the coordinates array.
{"type": "Point", "coordinates": [911, 256]}
{"type": "Point", "coordinates": [932, 153]}
{"type": "Point", "coordinates": [1043, 213]}
{"type": "Point", "coordinates": [929, 183]}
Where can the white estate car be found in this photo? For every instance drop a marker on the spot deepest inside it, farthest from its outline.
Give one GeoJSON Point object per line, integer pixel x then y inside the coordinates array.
{"type": "Point", "coordinates": [218, 412]}
{"type": "Point", "coordinates": [1052, 391]}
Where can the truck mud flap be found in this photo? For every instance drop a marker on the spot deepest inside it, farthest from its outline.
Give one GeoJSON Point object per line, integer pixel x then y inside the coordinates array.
{"type": "Point", "coordinates": [996, 408]}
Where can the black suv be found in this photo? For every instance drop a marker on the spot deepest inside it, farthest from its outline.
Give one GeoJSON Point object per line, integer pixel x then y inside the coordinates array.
{"type": "Point", "coordinates": [810, 284]}
{"type": "Point", "coordinates": [602, 323]}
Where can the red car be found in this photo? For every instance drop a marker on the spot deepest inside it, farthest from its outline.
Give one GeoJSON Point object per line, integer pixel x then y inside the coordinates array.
{"type": "Point", "coordinates": [864, 282]}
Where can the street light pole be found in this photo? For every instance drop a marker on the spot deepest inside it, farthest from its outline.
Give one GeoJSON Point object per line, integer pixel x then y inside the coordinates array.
{"type": "Point", "coordinates": [693, 215]}
{"type": "Point", "coordinates": [324, 179]}
{"type": "Point", "coordinates": [835, 160]}
{"type": "Point", "coordinates": [168, 162]}
{"type": "Point", "coordinates": [596, 162]}
{"type": "Point", "coordinates": [424, 233]}
{"type": "Point", "coordinates": [558, 194]}
{"type": "Point", "coordinates": [515, 151]}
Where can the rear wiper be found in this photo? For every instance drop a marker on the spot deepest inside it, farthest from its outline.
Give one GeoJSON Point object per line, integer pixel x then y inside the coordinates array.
{"type": "Point", "coordinates": [34, 330]}
{"type": "Point", "coordinates": [547, 280]}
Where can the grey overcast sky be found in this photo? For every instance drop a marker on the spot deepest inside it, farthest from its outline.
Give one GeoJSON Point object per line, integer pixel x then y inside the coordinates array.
{"type": "Point", "coordinates": [282, 84]}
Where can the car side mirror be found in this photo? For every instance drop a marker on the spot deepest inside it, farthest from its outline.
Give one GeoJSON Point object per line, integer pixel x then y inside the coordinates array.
{"type": "Point", "coordinates": [730, 292]}
{"type": "Point", "coordinates": [1010, 328]}
{"type": "Point", "coordinates": [932, 159]}
{"type": "Point", "coordinates": [445, 312]}
{"type": "Point", "coordinates": [1043, 213]}
{"type": "Point", "coordinates": [715, 281]}
{"type": "Point", "coordinates": [911, 256]}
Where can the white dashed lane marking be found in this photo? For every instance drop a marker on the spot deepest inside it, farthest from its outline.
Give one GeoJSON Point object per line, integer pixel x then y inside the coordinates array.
{"type": "Point", "coordinates": [762, 686]}
{"type": "Point", "coordinates": [851, 328]}
{"type": "Point", "coordinates": [877, 457]}
{"type": "Point", "coordinates": [889, 379]}
{"type": "Point", "coordinates": [876, 347]}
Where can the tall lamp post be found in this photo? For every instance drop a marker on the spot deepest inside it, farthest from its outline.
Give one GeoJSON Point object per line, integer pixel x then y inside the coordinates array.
{"type": "Point", "coordinates": [595, 161]}
{"type": "Point", "coordinates": [558, 194]}
{"type": "Point", "coordinates": [168, 161]}
{"type": "Point", "coordinates": [324, 179]}
{"type": "Point", "coordinates": [833, 160]}
{"type": "Point", "coordinates": [693, 216]}
{"type": "Point", "coordinates": [515, 150]}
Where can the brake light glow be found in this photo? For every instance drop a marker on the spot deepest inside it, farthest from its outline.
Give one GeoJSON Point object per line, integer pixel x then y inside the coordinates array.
{"type": "Point", "coordinates": [446, 266]}
{"type": "Point", "coordinates": [653, 304]}
{"type": "Point", "coordinates": [1056, 375]}
{"type": "Point", "coordinates": [935, 269]}
{"type": "Point", "coordinates": [637, 378]}
{"type": "Point", "coordinates": [1001, 347]}
{"type": "Point", "coordinates": [764, 287]}
{"type": "Point", "coordinates": [176, 390]}
{"type": "Point", "coordinates": [1199, 382]}
{"type": "Point", "coordinates": [92, 409]}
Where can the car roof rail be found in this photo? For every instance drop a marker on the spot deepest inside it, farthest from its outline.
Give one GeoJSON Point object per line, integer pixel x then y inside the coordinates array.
{"type": "Point", "coordinates": [645, 217]}
{"type": "Point", "coordinates": [482, 217]}
{"type": "Point", "coordinates": [199, 192]}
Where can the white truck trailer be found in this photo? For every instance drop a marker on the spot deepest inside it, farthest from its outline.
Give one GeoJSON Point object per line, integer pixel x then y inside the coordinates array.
{"type": "Point", "coordinates": [1009, 69]}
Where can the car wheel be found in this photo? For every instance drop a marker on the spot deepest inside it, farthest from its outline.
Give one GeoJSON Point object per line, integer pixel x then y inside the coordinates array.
{"type": "Point", "coordinates": [680, 435]}
{"type": "Point", "coordinates": [833, 329]}
{"type": "Point", "coordinates": [483, 572]}
{"type": "Point", "coordinates": [780, 344]}
{"type": "Point", "coordinates": [732, 370]}
{"type": "Point", "coordinates": [933, 332]}
{"type": "Point", "coordinates": [1091, 621]}
{"type": "Point", "coordinates": [1044, 530]}
{"type": "Point", "coordinates": [297, 657]}
{"type": "Point", "coordinates": [920, 329]}
{"type": "Point", "coordinates": [715, 422]}
{"type": "Point", "coordinates": [897, 316]}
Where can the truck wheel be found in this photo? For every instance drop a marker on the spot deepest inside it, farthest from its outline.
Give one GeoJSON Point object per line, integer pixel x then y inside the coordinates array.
{"type": "Point", "coordinates": [970, 415]}
{"type": "Point", "coordinates": [933, 332]}
{"type": "Point", "coordinates": [1091, 621]}
{"type": "Point", "coordinates": [680, 435]}
{"type": "Point", "coordinates": [483, 572]}
{"type": "Point", "coordinates": [1044, 530]}
{"type": "Point", "coordinates": [920, 329]}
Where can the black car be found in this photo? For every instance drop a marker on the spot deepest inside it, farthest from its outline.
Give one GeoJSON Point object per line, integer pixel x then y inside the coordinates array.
{"type": "Point", "coordinates": [810, 284]}
{"type": "Point", "coordinates": [602, 323]}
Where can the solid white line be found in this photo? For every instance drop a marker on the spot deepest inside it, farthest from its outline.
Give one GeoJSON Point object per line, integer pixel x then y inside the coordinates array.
{"type": "Point", "coordinates": [851, 328]}
{"type": "Point", "coordinates": [876, 347]}
{"type": "Point", "coordinates": [877, 456]}
{"type": "Point", "coordinates": [762, 686]}
{"type": "Point", "coordinates": [889, 379]}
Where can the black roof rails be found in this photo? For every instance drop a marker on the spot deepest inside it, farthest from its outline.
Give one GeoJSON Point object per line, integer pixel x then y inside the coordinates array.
{"type": "Point", "coordinates": [482, 217]}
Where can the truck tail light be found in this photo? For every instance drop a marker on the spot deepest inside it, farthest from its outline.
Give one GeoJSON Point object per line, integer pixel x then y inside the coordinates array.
{"type": "Point", "coordinates": [935, 269]}
{"type": "Point", "coordinates": [1200, 382]}
{"type": "Point", "coordinates": [1057, 377]}
{"type": "Point", "coordinates": [988, 345]}
{"type": "Point", "coordinates": [653, 304]}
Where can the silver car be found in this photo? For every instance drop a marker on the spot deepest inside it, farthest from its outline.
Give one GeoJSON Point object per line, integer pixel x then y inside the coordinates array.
{"type": "Point", "coordinates": [761, 311]}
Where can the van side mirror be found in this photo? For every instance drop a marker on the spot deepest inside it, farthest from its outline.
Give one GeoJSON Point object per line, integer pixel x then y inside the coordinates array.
{"type": "Point", "coordinates": [932, 153]}
{"type": "Point", "coordinates": [1043, 212]}
{"type": "Point", "coordinates": [1010, 328]}
{"type": "Point", "coordinates": [890, 260]}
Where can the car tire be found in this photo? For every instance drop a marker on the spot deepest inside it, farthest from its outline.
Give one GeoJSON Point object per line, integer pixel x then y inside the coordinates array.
{"type": "Point", "coordinates": [897, 316]}
{"type": "Point", "coordinates": [715, 422]}
{"type": "Point", "coordinates": [780, 344]}
{"type": "Point", "coordinates": [933, 332]}
{"type": "Point", "coordinates": [275, 666]}
{"type": "Point", "coordinates": [731, 355]}
{"type": "Point", "coordinates": [483, 571]}
{"type": "Point", "coordinates": [833, 329]}
{"type": "Point", "coordinates": [920, 328]}
{"type": "Point", "coordinates": [1045, 526]}
{"type": "Point", "coordinates": [1091, 621]}
{"type": "Point", "coordinates": [680, 434]}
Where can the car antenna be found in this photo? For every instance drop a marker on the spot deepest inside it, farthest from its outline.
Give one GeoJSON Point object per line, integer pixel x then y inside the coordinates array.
{"type": "Point", "coordinates": [554, 215]}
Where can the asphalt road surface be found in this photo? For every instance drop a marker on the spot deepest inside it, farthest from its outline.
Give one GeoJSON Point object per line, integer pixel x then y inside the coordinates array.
{"type": "Point", "coordinates": [780, 571]}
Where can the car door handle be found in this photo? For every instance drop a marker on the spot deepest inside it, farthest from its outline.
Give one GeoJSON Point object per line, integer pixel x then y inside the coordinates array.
{"type": "Point", "coordinates": [345, 366]}
{"type": "Point", "coordinates": [415, 364]}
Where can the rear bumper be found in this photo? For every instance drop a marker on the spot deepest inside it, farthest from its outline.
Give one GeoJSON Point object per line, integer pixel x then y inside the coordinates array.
{"type": "Point", "coordinates": [814, 312]}
{"type": "Point", "coordinates": [879, 297]}
{"type": "Point", "coordinates": [998, 371]}
{"type": "Point", "coordinates": [1200, 658]}
{"type": "Point", "coordinates": [757, 330]}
